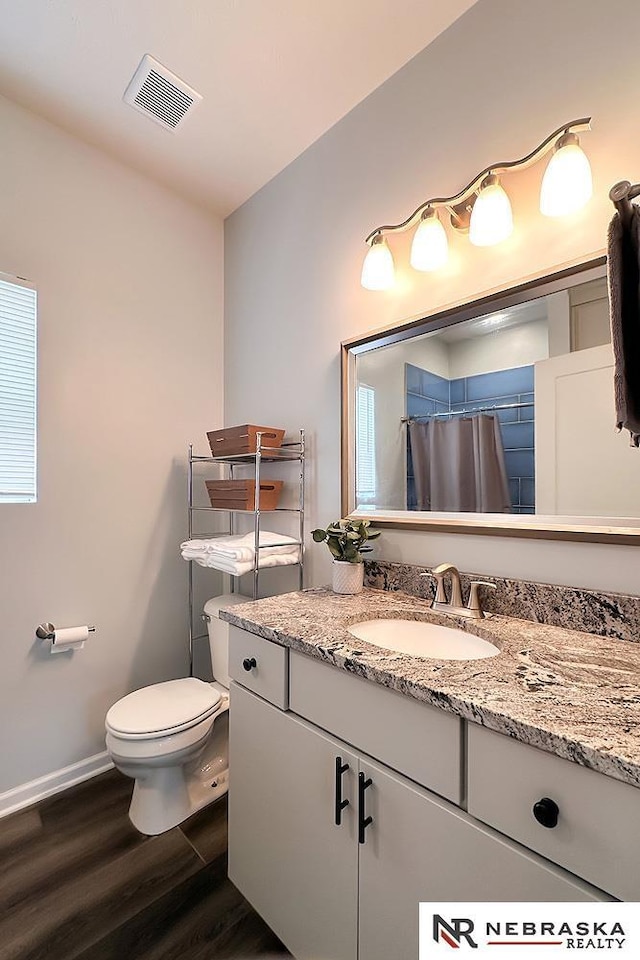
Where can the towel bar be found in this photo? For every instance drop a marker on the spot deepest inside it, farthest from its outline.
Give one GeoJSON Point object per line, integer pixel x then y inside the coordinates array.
{"type": "Point", "coordinates": [621, 195]}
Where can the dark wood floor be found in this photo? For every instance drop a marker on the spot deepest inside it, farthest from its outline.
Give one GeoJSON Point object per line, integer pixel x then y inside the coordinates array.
{"type": "Point", "coordinates": [78, 882]}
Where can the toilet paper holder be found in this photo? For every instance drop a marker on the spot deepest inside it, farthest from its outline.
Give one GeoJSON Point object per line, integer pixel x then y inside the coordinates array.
{"type": "Point", "coordinates": [47, 631]}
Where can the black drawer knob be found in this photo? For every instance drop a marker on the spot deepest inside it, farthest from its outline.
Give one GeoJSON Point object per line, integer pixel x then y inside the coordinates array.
{"type": "Point", "coordinates": [546, 812]}
{"type": "Point", "coordinates": [249, 663]}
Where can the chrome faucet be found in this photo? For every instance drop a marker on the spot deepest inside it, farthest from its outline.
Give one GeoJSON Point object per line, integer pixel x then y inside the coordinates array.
{"type": "Point", "coordinates": [455, 607]}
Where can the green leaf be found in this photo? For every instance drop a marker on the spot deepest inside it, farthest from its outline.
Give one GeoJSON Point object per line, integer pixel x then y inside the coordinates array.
{"type": "Point", "coordinates": [345, 538]}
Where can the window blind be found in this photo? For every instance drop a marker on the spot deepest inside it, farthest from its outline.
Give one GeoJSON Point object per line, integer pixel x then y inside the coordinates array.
{"type": "Point", "coordinates": [17, 391]}
{"type": "Point", "coordinates": [365, 445]}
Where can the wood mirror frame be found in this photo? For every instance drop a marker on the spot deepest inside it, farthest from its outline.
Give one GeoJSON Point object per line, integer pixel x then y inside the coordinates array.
{"type": "Point", "coordinates": [596, 529]}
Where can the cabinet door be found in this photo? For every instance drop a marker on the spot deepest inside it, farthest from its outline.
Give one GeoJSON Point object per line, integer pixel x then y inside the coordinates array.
{"type": "Point", "coordinates": [420, 848]}
{"type": "Point", "coordinates": [286, 853]}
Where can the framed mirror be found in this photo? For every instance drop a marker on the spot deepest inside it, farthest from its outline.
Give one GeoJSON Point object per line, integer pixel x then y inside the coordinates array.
{"type": "Point", "coordinates": [496, 417]}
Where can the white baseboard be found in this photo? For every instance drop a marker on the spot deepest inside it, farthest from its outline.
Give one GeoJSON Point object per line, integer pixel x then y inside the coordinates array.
{"type": "Point", "coordinates": [56, 782]}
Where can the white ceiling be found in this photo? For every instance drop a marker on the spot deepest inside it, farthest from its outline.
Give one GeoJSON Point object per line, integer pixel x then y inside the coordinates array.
{"type": "Point", "coordinates": [275, 75]}
{"type": "Point", "coordinates": [529, 312]}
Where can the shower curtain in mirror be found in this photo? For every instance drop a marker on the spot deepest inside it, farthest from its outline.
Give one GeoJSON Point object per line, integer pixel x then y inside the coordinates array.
{"type": "Point", "coordinates": [459, 466]}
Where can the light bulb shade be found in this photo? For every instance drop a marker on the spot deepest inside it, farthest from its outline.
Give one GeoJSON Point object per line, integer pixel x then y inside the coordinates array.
{"type": "Point", "coordinates": [378, 271]}
{"type": "Point", "coordinates": [491, 218]}
{"type": "Point", "coordinates": [567, 183]}
{"type": "Point", "coordinates": [430, 248]}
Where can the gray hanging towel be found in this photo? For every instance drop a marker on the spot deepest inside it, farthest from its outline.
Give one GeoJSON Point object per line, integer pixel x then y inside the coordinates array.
{"type": "Point", "coordinates": [623, 273]}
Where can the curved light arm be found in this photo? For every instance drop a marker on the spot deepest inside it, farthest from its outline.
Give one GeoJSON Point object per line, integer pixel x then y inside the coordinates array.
{"type": "Point", "coordinates": [575, 126]}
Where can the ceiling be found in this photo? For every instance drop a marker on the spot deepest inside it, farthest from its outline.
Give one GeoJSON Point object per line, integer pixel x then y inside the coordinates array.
{"type": "Point", "coordinates": [274, 74]}
{"type": "Point", "coordinates": [531, 311]}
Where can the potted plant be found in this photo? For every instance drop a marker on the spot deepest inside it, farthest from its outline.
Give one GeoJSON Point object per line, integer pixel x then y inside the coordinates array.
{"type": "Point", "coordinates": [347, 539]}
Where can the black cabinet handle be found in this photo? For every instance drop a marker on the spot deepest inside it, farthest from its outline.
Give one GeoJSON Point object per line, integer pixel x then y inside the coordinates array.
{"type": "Point", "coordinates": [363, 820]}
{"type": "Point", "coordinates": [249, 664]}
{"type": "Point", "coordinates": [546, 812]}
{"type": "Point", "coordinates": [340, 804]}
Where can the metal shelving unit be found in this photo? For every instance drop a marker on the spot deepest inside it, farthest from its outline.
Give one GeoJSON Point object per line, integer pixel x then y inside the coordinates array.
{"type": "Point", "coordinates": [291, 451]}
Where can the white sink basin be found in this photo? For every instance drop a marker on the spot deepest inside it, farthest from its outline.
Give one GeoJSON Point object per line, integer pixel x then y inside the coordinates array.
{"type": "Point", "coordinates": [421, 639]}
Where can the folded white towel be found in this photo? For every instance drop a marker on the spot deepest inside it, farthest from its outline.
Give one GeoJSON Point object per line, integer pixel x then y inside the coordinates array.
{"type": "Point", "coordinates": [240, 549]}
{"type": "Point", "coordinates": [238, 568]}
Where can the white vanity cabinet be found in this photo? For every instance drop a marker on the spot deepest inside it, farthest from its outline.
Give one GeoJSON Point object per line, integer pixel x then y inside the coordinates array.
{"type": "Point", "coordinates": [286, 854]}
{"type": "Point", "coordinates": [330, 883]}
{"type": "Point", "coordinates": [421, 848]}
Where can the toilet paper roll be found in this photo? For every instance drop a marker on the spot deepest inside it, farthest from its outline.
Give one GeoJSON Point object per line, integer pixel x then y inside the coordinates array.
{"type": "Point", "coordinates": [69, 638]}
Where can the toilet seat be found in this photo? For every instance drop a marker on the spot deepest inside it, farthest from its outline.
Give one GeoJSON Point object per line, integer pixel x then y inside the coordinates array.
{"type": "Point", "coordinates": [162, 709]}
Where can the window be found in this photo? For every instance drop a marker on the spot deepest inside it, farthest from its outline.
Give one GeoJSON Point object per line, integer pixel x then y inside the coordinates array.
{"type": "Point", "coordinates": [365, 445]}
{"type": "Point", "coordinates": [17, 391]}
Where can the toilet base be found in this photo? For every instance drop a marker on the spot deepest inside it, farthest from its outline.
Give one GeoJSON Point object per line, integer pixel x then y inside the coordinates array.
{"type": "Point", "coordinates": [164, 796]}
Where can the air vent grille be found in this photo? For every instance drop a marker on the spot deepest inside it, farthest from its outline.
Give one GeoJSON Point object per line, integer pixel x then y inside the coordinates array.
{"type": "Point", "coordinates": [160, 94]}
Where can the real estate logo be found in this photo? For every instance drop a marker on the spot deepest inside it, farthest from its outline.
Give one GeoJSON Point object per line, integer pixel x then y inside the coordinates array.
{"type": "Point", "coordinates": [544, 928]}
{"type": "Point", "coordinates": [454, 931]}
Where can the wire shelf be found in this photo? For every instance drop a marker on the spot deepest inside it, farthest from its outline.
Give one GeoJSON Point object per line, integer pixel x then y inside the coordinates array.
{"type": "Point", "coordinates": [291, 451]}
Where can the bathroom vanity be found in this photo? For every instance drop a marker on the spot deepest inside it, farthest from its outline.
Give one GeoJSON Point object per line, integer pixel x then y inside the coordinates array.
{"type": "Point", "coordinates": [364, 781]}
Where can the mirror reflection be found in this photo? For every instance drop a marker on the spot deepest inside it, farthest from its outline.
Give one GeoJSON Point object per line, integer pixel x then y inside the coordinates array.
{"type": "Point", "coordinates": [507, 413]}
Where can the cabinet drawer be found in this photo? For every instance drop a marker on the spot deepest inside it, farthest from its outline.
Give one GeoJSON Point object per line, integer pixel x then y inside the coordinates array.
{"type": "Point", "coordinates": [596, 835]}
{"type": "Point", "coordinates": [420, 741]}
{"type": "Point", "coordinates": [269, 678]}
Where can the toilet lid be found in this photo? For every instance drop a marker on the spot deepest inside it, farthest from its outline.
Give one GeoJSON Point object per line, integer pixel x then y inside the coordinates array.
{"type": "Point", "coordinates": [163, 708]}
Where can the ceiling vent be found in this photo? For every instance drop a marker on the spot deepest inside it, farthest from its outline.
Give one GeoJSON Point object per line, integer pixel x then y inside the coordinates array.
{"type": "Point", "coordinates": [160, 95]}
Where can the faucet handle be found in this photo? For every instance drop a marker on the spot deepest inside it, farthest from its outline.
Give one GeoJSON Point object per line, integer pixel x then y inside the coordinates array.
{"type": "Point", "coordinates": [474, 599]}
{"type": "Point", "coordinates": [440, 596]}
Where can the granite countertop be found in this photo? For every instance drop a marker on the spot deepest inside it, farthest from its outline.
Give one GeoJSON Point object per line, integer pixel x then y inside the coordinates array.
{"type": "Point", "coordinates": [570, 693]}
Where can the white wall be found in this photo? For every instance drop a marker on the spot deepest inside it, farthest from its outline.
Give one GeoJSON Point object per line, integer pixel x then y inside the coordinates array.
{"type": "Point", "coordinates": [558, 314]}
{"type": "Point", "coordinates": [129, 280]}
{"type": "Point", "coordinates": [430, 353]}
{"type": "Point", "coordinates": [513, 347]}
{"type": "Point", "coordinates": [491, 87]}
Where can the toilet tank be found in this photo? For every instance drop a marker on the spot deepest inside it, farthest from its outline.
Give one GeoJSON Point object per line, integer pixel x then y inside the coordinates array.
{"type": "Point", "coordinates": [219, 634]}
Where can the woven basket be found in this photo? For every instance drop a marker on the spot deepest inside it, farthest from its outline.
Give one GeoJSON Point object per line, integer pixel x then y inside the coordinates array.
{"type": "Point", "coordinates": [241, 494]}
{"type": "Point", "coordinates": [235, 441]}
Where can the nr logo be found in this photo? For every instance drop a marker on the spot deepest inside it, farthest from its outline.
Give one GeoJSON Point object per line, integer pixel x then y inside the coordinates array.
{"type": "Point", "coordinates": [453, 932]}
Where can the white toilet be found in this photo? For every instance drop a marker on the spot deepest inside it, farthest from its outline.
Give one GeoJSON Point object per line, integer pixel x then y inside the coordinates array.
{"type": "Point", "coordinates": [172, 738]}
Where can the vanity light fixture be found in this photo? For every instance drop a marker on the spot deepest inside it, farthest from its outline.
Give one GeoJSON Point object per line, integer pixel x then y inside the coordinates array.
{"type": "Point", "coordinates": [491, 219]}
{"type": "Point", "coordinates": [378, 270]}
{"type": "Point", "coordinates": [567, 184]}
{"type": "Point", "coordinates": [482, 209]}
{"type": "Point", "coordinates": [430, 247]}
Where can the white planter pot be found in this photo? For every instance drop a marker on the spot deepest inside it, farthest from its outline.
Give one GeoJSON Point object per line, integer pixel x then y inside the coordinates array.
{"type": "Point", "coordinates": [347, 577]}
